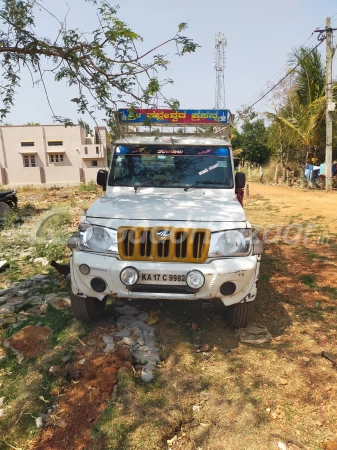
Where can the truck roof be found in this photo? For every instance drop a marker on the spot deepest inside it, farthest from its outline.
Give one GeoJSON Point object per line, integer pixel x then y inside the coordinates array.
{"type": "Point", "coordinates": [171, 140]}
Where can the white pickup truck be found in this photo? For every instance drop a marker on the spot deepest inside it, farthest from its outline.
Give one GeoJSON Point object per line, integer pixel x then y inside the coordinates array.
{"type": "Point", "coordinates": [168, 226]}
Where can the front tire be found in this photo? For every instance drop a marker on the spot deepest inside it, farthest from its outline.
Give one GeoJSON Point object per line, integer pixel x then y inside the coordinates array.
{"type": "Point", "coordinates": [239, 315]}
{"type": "Point", "coordinates": [86, 309]}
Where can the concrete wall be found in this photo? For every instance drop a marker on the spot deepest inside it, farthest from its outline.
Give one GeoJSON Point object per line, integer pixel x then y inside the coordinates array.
{"type": "Point", "coordinates": [90, 174]}
{"type": "Point", "coordinates": [69, 176]}
{"type": "Point", "coordinates": [71, 170]}
{"type": "Point", "coordinates": [21, 177]}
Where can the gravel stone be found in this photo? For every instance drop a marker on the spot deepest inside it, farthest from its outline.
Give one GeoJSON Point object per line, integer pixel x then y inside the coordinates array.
{"type": "Point", "coordinates": [5, 291]}
{"type": "Point", "coordinates": [39, 422]}
{"type": "Point", "coordinates": [144, 357]}
{"type": "Point", "coordinates": [147, 372]}
{"type": "Point", "coordinates": [7, 309]}
{"type": "Point", "coordinates": [23, 292]}
{"type": "Point", "coordinates": [127, 310]}
{"type": "Point", "coordinates": [38, 277]}
{"type": "Point", "coordinates": [142, 326]}
{"type": "Point", "coordinates": [48, 297]}
{"type": "Point", "coordinates": [3, 300]}
{"type": "Point", "coordinates": [125, 321]}
{"type": "Point", "coordinates": [123, 333]}
{"type": "Point", "coordinates": [110, 344]}
{"type": "Point", "coordinates": [35, 300]}
{"type": "Point", "coordinates": [143, 316]}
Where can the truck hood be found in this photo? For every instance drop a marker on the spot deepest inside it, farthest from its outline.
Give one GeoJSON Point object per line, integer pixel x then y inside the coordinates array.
{"type": "Point", "coordinates": [176, 207]}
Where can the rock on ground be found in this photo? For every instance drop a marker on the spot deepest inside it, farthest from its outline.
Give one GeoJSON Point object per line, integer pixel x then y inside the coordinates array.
{"type": "Point", "coordinates": [110, 344]}
{"type": "Point", "coordinates": [123, 333]}
{"type": "Point", "coordinates": [58, 302]}
{"type": "Point", "coordinates": [127, 310]}
{"type": "Point", "coordinates": [139, 336]}
{"type": "Point", "coordinates": [254, 334]}
{"type": "Point", "coordinates": [7, 308]}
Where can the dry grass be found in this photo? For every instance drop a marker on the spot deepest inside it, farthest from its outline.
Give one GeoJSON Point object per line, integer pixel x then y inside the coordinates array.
{"type": "Point", "coordinates": [250, 397]}
{"type": "Point", "coordinates": [253, 396]}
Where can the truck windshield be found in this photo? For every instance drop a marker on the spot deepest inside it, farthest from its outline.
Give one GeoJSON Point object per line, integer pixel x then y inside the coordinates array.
{"type": "Point", "coordinates": [171, 167]}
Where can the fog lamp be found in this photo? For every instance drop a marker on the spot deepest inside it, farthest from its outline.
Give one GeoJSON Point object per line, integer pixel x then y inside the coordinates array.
{"type": "Point", "coordinates": [195, 279]}
{"type": "Point", "coordinates": [129, 276]}
{"type": "Point", "coordinates": [84, 269]}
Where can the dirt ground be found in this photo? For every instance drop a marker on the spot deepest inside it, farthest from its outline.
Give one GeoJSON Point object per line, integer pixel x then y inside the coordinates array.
{"type": "Point", "coordinates": [212, 392]}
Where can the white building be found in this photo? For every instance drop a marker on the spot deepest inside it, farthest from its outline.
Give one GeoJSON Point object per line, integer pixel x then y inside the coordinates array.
{"type": "Point", "coordinates": [50, 155]}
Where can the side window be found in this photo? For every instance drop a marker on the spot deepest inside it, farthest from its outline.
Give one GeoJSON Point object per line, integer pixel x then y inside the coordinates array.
{"type": "Point", "coordinates": [56, 157]}
{"type": "Point", "coordinates": [29, 161]}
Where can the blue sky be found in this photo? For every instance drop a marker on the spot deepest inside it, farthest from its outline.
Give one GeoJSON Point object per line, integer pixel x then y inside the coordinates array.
{"type": "Point", "coordinates": [260, 36]}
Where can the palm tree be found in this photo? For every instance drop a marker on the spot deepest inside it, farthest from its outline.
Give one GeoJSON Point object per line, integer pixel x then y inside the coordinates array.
{"type": "Point", "coordinates": [303, 113]}
{"type": "Point", "coordinates": [310, 74]}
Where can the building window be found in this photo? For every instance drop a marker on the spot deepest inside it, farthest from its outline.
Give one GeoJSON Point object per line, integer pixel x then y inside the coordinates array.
{"type": "Point", "coordinates": [94, 163]}
{"type": "Point", "coordinates": [55, 158]}
{"type": "Point", "coordinates": [97, 150]}
{"type": "Point", "coordinates": [27, 144]}
{"type": "Point", "coordinates": [29, 161]}
{"type": "Point", "coordinates": [85, 150]}
{"type": "Point", "coordinates": [54, 143]}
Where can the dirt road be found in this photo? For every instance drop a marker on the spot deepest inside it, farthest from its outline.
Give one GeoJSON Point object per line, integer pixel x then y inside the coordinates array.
{"type": "Point", "coordinates": [212, 392]}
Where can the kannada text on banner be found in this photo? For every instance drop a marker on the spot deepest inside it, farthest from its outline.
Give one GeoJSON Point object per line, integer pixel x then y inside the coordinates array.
{"type": "Point", "coordinates": [188, 116]}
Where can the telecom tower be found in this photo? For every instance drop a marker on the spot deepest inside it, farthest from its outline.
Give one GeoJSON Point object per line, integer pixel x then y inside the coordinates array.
{"type": "Point", "coordinates": [219, 67]}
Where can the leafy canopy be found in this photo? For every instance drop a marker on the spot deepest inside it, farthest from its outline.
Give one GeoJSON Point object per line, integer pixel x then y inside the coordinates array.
{"type": "Point", "coordinates": [103, 64]}
{"type": "Point", "coordinates": [253, 140]}
{"type": "Point", "coordinates": [300, 114]}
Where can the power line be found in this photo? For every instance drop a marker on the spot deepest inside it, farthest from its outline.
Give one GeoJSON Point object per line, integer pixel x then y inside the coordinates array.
{"type": "Point", "coordinates": [286, 76]}
{"type": "Point", "coordinates": [285, 65]}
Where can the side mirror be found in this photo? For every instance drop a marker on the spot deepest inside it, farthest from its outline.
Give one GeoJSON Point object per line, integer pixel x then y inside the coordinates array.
{"type": "Point", "coordinates": [102, 178]}
{"type": "Point", "coordinates": [240, 180]}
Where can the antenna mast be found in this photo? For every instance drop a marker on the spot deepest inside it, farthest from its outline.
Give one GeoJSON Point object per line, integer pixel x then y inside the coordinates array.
{"type": "Point", "coordinates": [219, 67]}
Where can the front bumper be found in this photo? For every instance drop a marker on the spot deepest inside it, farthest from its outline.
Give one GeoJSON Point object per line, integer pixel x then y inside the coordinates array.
{"type": "Point", "coordinates": [242, 271]}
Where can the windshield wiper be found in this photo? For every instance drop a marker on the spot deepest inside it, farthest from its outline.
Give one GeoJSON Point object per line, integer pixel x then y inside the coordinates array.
{"type": "Point", "coordinates": [197, 183]}
{"type": "Point", "coordinates": [136, 186]}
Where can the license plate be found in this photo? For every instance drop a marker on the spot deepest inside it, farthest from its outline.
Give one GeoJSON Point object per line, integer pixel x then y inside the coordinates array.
{"type": "Point", "coordinates": [161, 278]}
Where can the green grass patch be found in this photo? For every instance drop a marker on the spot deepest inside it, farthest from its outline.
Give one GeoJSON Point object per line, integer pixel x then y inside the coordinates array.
{"type": "Point", "coordinates": [91, 186]}
{"type": "Point", "coordinates": [309, 280]}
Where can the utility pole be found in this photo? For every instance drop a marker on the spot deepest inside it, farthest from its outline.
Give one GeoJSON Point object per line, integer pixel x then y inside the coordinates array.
{"type": "Point", "coordinates": [329, 107]}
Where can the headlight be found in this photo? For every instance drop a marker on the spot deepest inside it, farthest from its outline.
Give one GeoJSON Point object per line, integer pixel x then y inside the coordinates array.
{"type": "Point", "coordinates": [231, 243]}
{"type": "Point", "coordinates": [98, 239]}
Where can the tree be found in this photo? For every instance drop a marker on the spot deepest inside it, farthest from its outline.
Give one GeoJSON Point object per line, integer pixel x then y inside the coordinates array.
{"type": "Point", "coordinates": [301, 114]}
{"type": "Point", "coordinates": [310, 74]}
{"type": "Point", "coordinates": [33, 124]}
{"type": "Point", "coordinates": [104, 64]}
{"type": "Point", "coordinates": [254, 142]}
{"type": "Point", "coordinates": [86, 126]}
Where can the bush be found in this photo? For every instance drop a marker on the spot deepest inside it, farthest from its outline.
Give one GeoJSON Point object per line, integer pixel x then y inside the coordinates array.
{"type": "Point", "coordinates": [91, 186]}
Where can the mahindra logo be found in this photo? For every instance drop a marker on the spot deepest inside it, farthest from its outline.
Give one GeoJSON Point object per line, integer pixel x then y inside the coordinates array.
{"type": "Point", "coordinates": [163, 233]}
